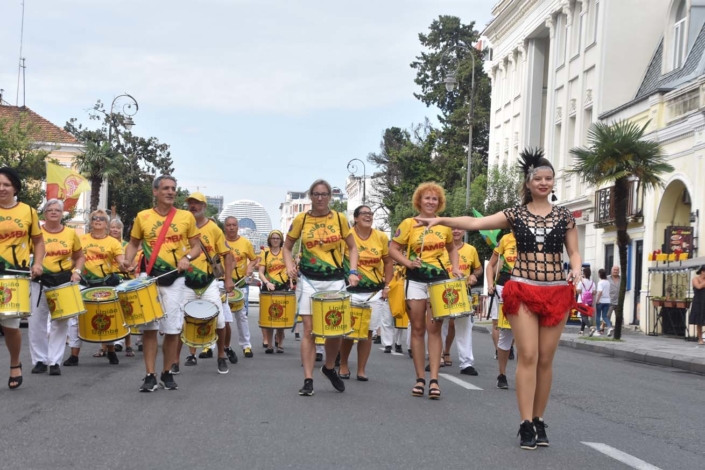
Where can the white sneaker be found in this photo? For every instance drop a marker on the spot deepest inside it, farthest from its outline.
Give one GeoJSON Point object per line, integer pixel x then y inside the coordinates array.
{"type": "Point", "coordinates": [610, 331]}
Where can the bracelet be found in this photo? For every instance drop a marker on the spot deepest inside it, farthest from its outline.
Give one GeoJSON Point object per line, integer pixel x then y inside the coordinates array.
{"type": "Point", "coordinates": [354, 271]}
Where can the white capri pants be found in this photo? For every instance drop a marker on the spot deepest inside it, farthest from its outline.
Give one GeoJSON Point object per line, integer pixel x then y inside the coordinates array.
{"type": "Point", "coordinates": [505, 336]}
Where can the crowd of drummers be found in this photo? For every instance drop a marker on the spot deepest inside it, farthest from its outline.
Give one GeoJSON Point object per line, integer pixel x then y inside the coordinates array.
{"type": "Point", "coordinates": [179, 275]}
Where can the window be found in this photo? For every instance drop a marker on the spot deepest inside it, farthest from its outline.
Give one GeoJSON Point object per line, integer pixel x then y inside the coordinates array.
{"type": "Point", "coordinates": [555, 158]}
{"type": "Point", "coordinates": [609, 258]}
{"type": "Point", "coordinates": [577, 33]}
{"type": "Point", "coordinates": [587, 121]}
{"type": "Point", "coordinates": [571, 139]}
{"type": "Point", "coordinates": [517, 75]}
{"type": "Point", "coordinates": [595, 19]}
{"type": "Point", "coordinates": [560, 40]}
{"type": "Point", "coordinates": [679, 41]}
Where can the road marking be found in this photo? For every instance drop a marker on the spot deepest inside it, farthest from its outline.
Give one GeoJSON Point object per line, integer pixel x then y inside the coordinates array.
{"type": "Point", "coordinates": [393, 353]}
{"type": "Point", "coordinates": [621, 456]}
{"type": "Point", "coordinates": [462, 383]}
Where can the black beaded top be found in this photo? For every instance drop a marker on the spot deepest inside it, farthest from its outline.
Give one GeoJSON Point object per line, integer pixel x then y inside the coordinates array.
{"type": "Point", "coordinates": [540, 242]}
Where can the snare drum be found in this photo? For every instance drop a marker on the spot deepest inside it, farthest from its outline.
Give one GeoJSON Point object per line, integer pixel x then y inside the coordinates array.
{"type": "Point", "coordinates": [200, 322]}
{"type": "Point", "coordinates": [401, 323]}
{"type": "Point", "coordinates": [103, 321]}
{"type": "Point", "coordinates": [502, 322]}
{"type": "Point", "coordinates": [360, 316]}
{"type": "Point", "coordinates": [449, 298]}
{"type": "Point", "coordinates": [236, 300]}
{"type": "Point", "coordinates": [64, 301]}
{"type": "Point", "coordinates": [139, 300]}
{"type": "Point", "coordinates": [319, 340]}
{"type": "Point", "coordinates": [330, 314]}
{"type": "Point", "coordinates": [14, 297]}
{"type": "Point", "coordinates": [277, 309]}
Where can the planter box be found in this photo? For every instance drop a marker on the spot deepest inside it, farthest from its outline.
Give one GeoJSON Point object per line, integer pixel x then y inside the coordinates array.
{"type": "Point", "coordinates": [657, 303]}
{"type": "Point", "coordinates": [682, 304]}
{"type": "Point", "coordinates": [669, 303]}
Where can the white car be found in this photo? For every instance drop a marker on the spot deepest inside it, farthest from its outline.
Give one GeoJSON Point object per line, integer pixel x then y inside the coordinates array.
{"type": "Point", "coordinates": [255, 285]}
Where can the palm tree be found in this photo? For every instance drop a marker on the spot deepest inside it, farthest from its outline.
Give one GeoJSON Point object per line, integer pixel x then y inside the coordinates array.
{"type": "Point", "coordinates": [616, 153]}
{"type": "Point", "coordinates": [97, 163]}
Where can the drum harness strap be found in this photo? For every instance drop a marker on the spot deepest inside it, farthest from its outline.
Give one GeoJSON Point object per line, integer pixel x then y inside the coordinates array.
{"type": "Point", "coordinates": [160, 240]}
{"type": "Point", "coordinates": [494, 294]}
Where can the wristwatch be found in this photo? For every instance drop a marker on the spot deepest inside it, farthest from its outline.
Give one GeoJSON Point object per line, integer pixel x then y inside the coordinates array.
{"type": "Point", "coordinates": [77, 271]}
{"type": "Point", "coordinates": [188, 257]}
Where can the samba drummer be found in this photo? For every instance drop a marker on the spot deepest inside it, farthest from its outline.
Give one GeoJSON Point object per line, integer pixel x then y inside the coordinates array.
{"type": "Point", "coordinates": [272, 272]}
{"type": "Point", "coordinates": [376, 271]}
{"type": "Point", "coordinates": [430, 253]}
{"type": "Point", "coordinates": [461, 328]}
{"type": "Point", "coordinates": [322, 232]}
{"type": "Point", "coordinates": [103, 254]}
{"type": "Point", "coordinates": [62, 264]}
{"type": "Point", "coordinates": [200, 278]}
{"type": "Point", "coordinates": [19, 227]}
{"type": "Point", "coordinates": [167, 255]}
{"type": "Point", "coordinates": [539, 295]}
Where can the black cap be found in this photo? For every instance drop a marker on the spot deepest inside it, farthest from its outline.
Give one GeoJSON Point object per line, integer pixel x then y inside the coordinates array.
{"type": "Point", "coordinates": [14, 178]}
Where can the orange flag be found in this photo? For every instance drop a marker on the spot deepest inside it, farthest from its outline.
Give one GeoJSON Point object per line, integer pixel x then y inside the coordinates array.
{"type": "Point", "coordinates": [65, 184]}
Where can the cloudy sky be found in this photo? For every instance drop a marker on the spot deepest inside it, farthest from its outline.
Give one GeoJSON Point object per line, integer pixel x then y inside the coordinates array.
{"type": "Point", "coordinates": [255, 97]}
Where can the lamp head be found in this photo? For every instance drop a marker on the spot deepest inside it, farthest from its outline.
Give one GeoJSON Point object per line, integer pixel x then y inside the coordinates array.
{"type": "Point", "coordinates": [128, 123]}
{"type": "Point", "coordinates": [450, 82]}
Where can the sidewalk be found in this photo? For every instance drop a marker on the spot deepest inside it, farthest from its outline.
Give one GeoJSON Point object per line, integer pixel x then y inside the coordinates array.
{"type": "Point", "coordinates": [635, 346]}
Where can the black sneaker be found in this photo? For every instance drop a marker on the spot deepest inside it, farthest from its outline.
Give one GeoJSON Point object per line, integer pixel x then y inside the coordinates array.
{"type": "Point", "coordinates": [319, 357]}
{"type": "Point", "coordinates": [307, 389]}
{"type": "Point", "coordinates": [377, 340]}
{"type": "Point", "coordinates": [175, 370]}
{"type": "Point", "coordinates": [232, 357]}
{"type": "Point", "coordinates": [297, 337]}
{"type": "Point", "coordinates": [247, 352]}
{"type": "Point", "coordinates": [469, 370]}
{"type": "Point", "coordinates": [39, 368]}
{"type": "Point", "coordinates": [527, 435]}
{"type": "Point", "coordinates": [55, 370]}
{"type": "Point", "coordinates": [502, 382]}
{"type": "Point", "coordinates": [222, 365]}
{"type": "Point", "coordinates": [206, 353]}
{"type": "Point", "coordinates": [167, 381]}
{"type": "Point", "coordinates": [411, 356]}
{"type": "Point", "coordinates": [139, 348]}
{"type": "Point", "coordinates": [541, 437]}
{"type": "Point", "coordinates": [112, 358]}
{"type": "Point", "coordinates": [71, 361]}
{"type": "Point", "coordinates": [495, 354]}
{"type": "Point", "coordinates": [334, 378]}
{"type": "Point", "coordinates": [149, 384]}
{"type": "Point", "coordinates": [397, 348]}
{"type": "Point", "coordinates": [388, 350]}
{"type": "Point", "coordinates": [118, 347]}
{"type": "Point", "coordinates": [191, 361]}
{"type": "Point", "coordinates": [511, 353]}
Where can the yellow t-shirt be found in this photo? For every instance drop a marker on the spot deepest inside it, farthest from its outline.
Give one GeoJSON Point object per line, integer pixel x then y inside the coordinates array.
{"type": "Point", "coordinates": [17, 226]}
{"type": "Point", "coordinates": [508, 249]}
{"type": "Point", "coordinates": [100, 256]}
{"type": "Point", "coordinates": [321, 242]}
{"type": "Point", "coordinates": [274, 267]}
{"type": "Point", "coordinates": [243, 252]}
{"type": "Point", "coordinates": [59, 249]}
{"type": "Point", "coordinates": [469, 259]}
{"type": "Point", "coordinates": [434, 259]}
{"type": "Point", "coordinates": [147, 226]}
{"type": "Point", "coordinates": [200, 273]}
{"type": "Point", "coordinates": [370, 264]}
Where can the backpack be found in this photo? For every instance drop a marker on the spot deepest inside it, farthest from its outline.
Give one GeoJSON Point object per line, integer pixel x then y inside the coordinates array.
{"type": "Point", "coordinates": [586, 294]}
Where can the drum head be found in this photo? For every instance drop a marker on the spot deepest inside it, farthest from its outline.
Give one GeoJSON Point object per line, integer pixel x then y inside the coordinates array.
{"type": "Point", "coordinates": [201, 309]}
{"type": "Point", "coordinates": [237, 295]}
{"type": "Point", "coordinates": [98, 294]}
{"type": "Point", "coordinates": [134, 284]}
{"type": "Point", "coordinates": [60, 286]}
{"type": "Point", "coordinates": [360, 304]}
{"type": "Point", "coordinates": [330, 295]}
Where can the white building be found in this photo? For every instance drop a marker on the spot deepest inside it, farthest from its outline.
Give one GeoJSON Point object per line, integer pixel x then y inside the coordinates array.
{"type": "Point", "coordinates": [357, 188]}
{"type": "Point", "coordinates": [556, 66]}
{"type": "Point", "coordinates": [296, 202]}
{"type": "Point", "coordinates": [250, 214]}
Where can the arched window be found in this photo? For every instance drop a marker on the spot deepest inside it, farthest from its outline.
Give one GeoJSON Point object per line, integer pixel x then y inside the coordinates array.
{"type": "Point", "coordinates": [679, 37]}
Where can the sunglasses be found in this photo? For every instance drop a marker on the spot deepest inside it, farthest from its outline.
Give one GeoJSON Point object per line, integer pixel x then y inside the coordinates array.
{"type": "Point", "coordinates": [98, 219]}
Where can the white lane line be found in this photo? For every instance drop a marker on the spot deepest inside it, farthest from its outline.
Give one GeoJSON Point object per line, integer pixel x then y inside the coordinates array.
{"type": "Point", "coordinates": [462, 383]}
{"type": "Point", "coordinates": [621, 456]}
{"type": "Point", "coordinates": [393, 353]}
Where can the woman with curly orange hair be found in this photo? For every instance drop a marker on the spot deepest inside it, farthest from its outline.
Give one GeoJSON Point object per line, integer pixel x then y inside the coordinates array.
{"type": "Point", "coordinates": [428, 255]}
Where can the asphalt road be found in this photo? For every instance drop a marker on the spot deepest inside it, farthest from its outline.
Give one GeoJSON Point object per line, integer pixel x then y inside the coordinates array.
{"type": "Point", "coordinates": [92, 417]}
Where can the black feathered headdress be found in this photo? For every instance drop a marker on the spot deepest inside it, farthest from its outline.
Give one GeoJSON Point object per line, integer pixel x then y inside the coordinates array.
{"type": "Point", "coordinates": [529, 160]}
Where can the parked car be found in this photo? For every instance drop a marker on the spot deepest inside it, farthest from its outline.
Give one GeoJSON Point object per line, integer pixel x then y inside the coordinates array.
{"type": "Point", "coordinates": [255, 286]}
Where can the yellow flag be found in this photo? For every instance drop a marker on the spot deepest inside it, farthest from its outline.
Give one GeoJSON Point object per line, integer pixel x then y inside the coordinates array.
{"type": "Point", "coordinates": [65, 184]}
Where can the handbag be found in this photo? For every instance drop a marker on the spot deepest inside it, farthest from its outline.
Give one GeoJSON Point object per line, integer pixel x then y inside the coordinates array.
{"type": "Point", "coordinates": [397, 296]}
{"type": "Point", "coordinates": [213, 261]}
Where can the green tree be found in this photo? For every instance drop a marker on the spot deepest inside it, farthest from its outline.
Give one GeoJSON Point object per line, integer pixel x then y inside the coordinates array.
{"type": "Point", "coordinates": [616, 153]}
{"type": "Point", "coordinates": [96, 163]}
{"type": "Point", "coordinates": [19, 150]}
{"type": "Point", "coordinates": [339, 206]}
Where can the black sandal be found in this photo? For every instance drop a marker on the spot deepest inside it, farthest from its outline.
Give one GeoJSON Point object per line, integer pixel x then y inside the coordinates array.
{"type": "Point", "coordinates": [434, 393]}
{"type": "Point", "coordinates": [447, 363]}
{"type": "Point", "coordinates": [15, 382]}
{"type": "Point", "coordinates": [280, 350]}
{"type": "Point", "coordinates": [418, 391]}
{"type": "Point", "coordinates": [269, 351]}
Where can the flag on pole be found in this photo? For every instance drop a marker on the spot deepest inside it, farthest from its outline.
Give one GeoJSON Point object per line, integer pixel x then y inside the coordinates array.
{"type": "Point", "coordinates": [65, 184]}
{"type": "Point", "coordinates": [490, 236]}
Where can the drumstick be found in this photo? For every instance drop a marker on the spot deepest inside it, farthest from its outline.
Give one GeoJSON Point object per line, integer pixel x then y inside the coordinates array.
{"type": "Point", "coordinates": [496, 276]}
{"type": "Point", "coordinates": [165, 274]}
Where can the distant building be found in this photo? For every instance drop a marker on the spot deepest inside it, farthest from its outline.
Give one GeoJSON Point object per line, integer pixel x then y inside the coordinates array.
{"type": "Point", "coordinates": [250, 215]}
{"type": "Point", "coordinates": [215, 201]}
{"type": "Point", "coordinates": [356, 190]}
{"type": "Point", "coordinates": [258, 239]}
{"type": "Point", "coordinates": [296, 202]}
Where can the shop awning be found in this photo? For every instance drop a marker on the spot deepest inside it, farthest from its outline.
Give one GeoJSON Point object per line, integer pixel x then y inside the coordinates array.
{"type": "Point", "coordinates": [679, 266]}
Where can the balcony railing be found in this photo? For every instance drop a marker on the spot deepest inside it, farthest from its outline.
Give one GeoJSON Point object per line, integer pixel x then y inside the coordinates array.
{"type": "Point", "coordinates": [605, 204]}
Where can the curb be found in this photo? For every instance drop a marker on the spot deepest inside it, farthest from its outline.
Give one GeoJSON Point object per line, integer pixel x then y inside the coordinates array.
{"type": "Point", "coordinates": [646, 356]}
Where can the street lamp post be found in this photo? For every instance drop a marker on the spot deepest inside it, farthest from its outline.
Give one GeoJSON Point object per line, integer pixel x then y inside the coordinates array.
{"type": "Point", "coordinates": [450, 82]}
{"type": "Point", "coordinates": [352, 168]}
{"type": "Point", "coordinates": [126, 111]}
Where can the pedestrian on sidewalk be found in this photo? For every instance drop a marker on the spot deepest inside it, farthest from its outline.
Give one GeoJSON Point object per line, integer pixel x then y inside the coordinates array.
{"type": "Point", "coordinates": [615, 281]}
{"type": "Point", "coordinates": [602, 315]}
{"type": "Point", "coordinates": [697, 308]}
{"type": "Point", "coordinates": [586, 291]}
{"type": "Point", "coordinates": [539, 295]}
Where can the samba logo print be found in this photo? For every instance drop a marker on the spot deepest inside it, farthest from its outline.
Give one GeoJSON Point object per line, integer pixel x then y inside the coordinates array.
{"type": "Point", "coordinates": [334, 319]}
{"type": "Point", "coordinates": [51, 303]}
{"type": "Point", "coordinates": [276, 311]}
{"type": "Point", "coordinates": [203, 331]}
{"type": "Point", "coordinates": [126, 306]}
{"type": "Point", "coordinates": [100, 322]}
{"type": "Point", "coordinates": [5, 295]}
{"type": "Point", "coordinates": [451, 296]}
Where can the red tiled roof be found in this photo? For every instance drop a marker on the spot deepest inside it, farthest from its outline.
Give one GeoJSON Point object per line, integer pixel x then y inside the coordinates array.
{"type": "Point", "coordinates": [44, 131]}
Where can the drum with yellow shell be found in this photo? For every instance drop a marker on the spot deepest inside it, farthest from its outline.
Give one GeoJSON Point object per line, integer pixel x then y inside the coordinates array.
{"type": "Point", "coordinates": [14, 297]}
{"type": "Point", "coordinates": [360, 316]}
{"type": "Point", "coordinates": [200, 323]}
{"type": "Point", "coordinates": [139, 300]}
{"type": "Point", "coordinates": [103, 321]}
{"type": "Point", "coordinates": [401, 323]}
{"type": "Point", "coordinates": [330, 314]}
{"type": "Point", "coordinates": [277, 309]}
{"type": "Point", "coordinates": [449, 298]}
{"type": "Point", "coordinates": [64, 301]}
{"type": "Point", "coordinates": [502, 322]}
{"type": "Point", "coordinates": [236, 300]}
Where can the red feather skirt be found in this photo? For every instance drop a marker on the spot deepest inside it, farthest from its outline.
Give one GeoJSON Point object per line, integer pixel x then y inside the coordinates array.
{"type": "Point", "coordinates": [550, 303]}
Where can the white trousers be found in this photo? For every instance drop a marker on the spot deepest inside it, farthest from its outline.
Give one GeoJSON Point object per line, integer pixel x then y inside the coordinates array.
{"type": "Point", "coordinates": [240, 319]}
{"type": "Point", "coordinates": [388, 332]}
{"type": "Point", "coordinates": [45, 347]}
{"type": "Point", "coordinates": [463, 340]}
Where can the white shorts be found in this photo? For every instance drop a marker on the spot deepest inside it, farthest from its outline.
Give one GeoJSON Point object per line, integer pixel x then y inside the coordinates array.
{"type": "Point", "coordinates": [227, 314]}
{"type": "Point", "coordinates": [505, 340]}
{"type": "Point", "coordinates": [10, 323]}
{"type": "Point", "coordinates": [497, 299]}
{"type": "Point", "coordinates": [305, 288]}
{"type": "Point", "coordinates": [416, 290]}
{"type": "Point", "coordinates": [376, 304]}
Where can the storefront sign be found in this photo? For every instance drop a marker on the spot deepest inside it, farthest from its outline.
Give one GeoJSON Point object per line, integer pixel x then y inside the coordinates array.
{"type": "Point", "coordinates": [679, 238]}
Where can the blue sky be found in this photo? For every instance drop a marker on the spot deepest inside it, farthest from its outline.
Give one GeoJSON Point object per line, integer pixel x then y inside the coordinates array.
{"type": "Point", "coordinates": [255, 97]}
